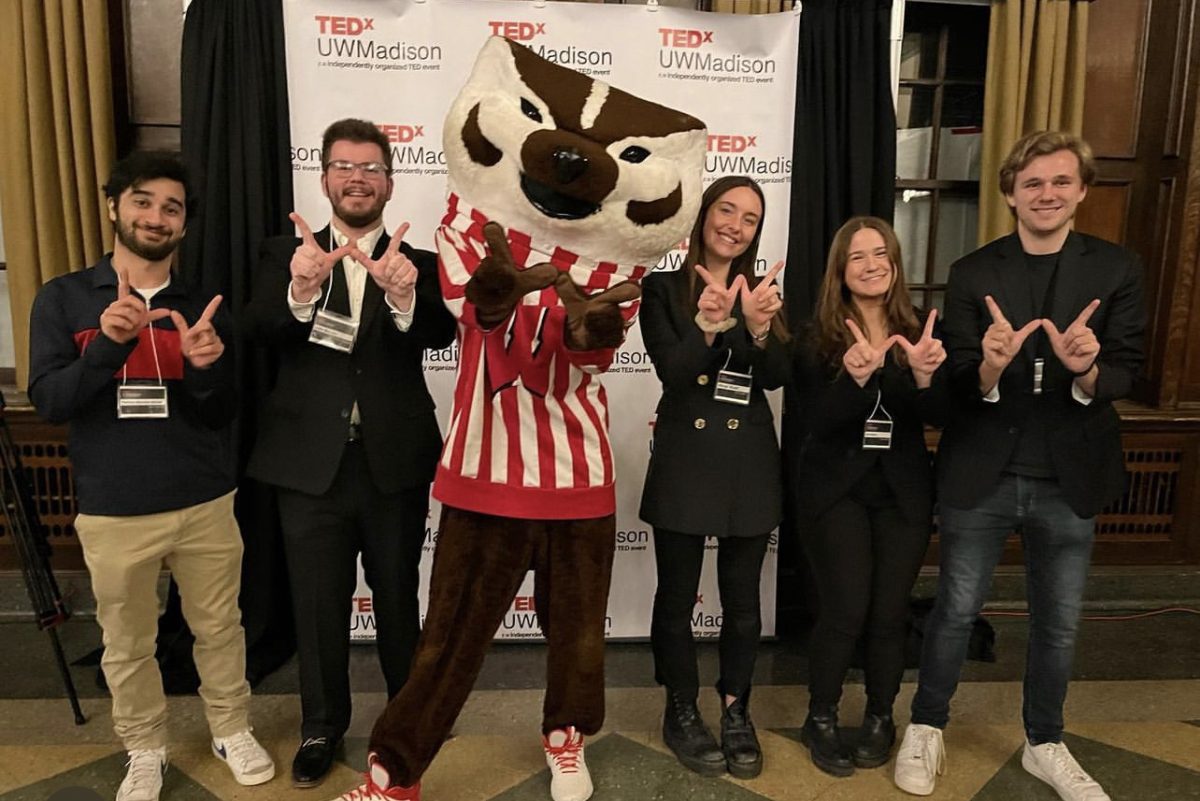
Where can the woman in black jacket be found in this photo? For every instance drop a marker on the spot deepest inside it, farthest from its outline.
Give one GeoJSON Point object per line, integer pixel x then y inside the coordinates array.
{"type": "Point", "coordinates": [716, 339]}
{"type": "Point", "coordinates": [864, 480]}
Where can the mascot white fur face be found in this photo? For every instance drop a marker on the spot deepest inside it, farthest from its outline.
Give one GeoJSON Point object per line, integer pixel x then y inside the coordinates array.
{"type": "Point", "coordinates": [553, 153]}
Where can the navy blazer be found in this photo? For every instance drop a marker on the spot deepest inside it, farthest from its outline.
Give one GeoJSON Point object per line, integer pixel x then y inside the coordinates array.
{"type": "Point", "coordinates": [305, 421]}
{"type": "Point", "coordinates": [1085, 440]}
{"type": "Point", "coordinates": [715, 467]}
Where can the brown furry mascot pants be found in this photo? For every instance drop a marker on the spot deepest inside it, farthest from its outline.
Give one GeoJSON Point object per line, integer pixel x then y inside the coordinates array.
{"type": "Point", "coordinates": [478, 567]}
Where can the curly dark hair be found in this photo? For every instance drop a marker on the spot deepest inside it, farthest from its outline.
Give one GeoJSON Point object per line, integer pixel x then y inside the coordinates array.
{"type": "Point", "coordinates": [147, 165]}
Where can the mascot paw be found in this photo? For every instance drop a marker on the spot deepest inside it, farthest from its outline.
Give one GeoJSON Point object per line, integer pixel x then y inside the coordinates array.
{"type": "Point", "coordinates": [594, 321]}
{"type": "Point", "coordinates": [497, 285]}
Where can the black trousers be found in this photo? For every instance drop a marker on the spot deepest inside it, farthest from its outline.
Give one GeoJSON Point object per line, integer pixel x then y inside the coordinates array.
{"type": "Point", "coordinates": [679, 558]}
{"type": "Point", "coordinates": [865, 556]}
{"type": "Point", "coordinates": [323, 536]}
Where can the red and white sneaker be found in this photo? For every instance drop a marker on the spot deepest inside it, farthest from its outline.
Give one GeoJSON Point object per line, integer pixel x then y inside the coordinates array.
{"type": "Point", "coordinates": [378, 786]}
{"type": "Point", "coordinates": [569, 777]}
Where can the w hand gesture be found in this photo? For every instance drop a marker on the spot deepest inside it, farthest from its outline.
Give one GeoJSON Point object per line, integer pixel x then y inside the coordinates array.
{"type": "Point", "coordinates": [716, 301]}
{"type": "Point", "coordinates": [1077, 347]}
{"type": "Point", "coordinates": [761, 304]}
{"type": "Point", "coordinates": [862, 359]}
{"type": "Point", "coordinates": [310, 263]}
{"type": "Point", "coordinates": [127, 315]}
{"type": "Point", "coordinates": [594, 321]}
{"type": "Point", "coordinates": [392, 272]}
{"type": "Point", "coordinates": [1001, 343]}
{"type": "Point", "coordinates": [200, 344]}
{"type": "Point", "coordinates": [926, 356]}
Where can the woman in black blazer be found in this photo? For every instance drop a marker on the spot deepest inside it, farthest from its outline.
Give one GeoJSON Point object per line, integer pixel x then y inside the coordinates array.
{"type": "Point", "coordinates": [716, 339]}
{"type": "Point", "coordinates": [864, 480]}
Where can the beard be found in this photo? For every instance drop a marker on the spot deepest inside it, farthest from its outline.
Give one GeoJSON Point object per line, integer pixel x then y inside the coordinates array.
{"type": "Point", "coordinates": [127, 235]}
{"type": "Point", "coordinates": [359, 216]}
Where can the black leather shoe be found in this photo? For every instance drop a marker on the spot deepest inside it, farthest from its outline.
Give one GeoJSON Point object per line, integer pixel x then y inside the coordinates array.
{"type": "Point", "coordinates": [686, 735]}
{"type": "Point", "coordinates": [820, 734]}
{"type": "Point", "coordinates": [743, 756]}
{"type": "Point", "coordinates": [313, 760]}
{"type": "Point", "coordinates": [875, 741]}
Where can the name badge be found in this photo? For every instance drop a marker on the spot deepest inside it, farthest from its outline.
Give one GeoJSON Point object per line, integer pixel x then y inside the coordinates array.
{"type": "Point", "coordinates": [141, 401]}
{"type": "Point", "coordinates": [877, 431]}
{"type": "Point", "coordinates": [733, 387]}
{"type": "Point", "coordinates": [333, 330]}
{"type": "Point", "coordinates": [877, 435]}
{"type": "Point", "coordinates": [1039, 366]}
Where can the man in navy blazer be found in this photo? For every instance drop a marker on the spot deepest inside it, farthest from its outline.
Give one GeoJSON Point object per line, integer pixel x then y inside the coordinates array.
{"type": "Point", "coordinates": [1044, 330]}
{"type": "Point", "coordinates": [348, 434]}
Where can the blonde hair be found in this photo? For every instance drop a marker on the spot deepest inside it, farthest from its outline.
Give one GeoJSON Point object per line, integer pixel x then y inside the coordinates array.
{"type": "Point", "coordinates": [1043, 143]}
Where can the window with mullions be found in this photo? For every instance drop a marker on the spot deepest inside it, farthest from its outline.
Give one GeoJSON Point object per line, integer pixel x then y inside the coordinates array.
{"type": "Point", "coordinates": [939, 120]}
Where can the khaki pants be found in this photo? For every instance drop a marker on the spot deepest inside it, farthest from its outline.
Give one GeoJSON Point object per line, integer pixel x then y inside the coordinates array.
{"type": "Point", "coordinates": [202, 547]}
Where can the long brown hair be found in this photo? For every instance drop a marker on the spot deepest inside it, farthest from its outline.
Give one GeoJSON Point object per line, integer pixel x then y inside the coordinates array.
{"type": "Point", "coordinates": [835, 305]}
{"type": "Point", "coordinates": [742, 265]}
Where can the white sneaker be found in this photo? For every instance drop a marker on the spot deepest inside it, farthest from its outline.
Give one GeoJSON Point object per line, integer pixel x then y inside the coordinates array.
{"type": "Point", "coordinates": [249, 761]}
{"type": "Point", "coordinates": [920, 760]}
{"type": "Point", "coordinates": [144, 777]}
{"type": "Point", "coordinates": [378, 786]}
{"type": "Point", "coordinates": [569, 777]}
{"type": "Point", "coordinates": [1053, 764]}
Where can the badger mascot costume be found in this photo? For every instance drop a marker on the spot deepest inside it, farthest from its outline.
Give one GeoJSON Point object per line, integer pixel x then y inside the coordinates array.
{"type": "Point", "coordinates": [563, 192]}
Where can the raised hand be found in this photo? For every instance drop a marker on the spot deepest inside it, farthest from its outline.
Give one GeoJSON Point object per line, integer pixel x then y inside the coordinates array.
{"type": "Point", "coordinates": [310, 263]}
{"type": "Point", "coordinates": [862, 358]}
{"type": "Point", "coordinates": [927, 355]}
{"type": "Point", "coordinates": [761, 304]}
{"type": "Point", "coordinates": [497, 285]}
{"type": "Point", "coordinates": [716, 300]}
{"type": "Point", "coordinates": [594, 321]}
{"type": "Point", "coordinates": [122, 319]}
{"type": "Point", "coordinates": [1077, 347]}
{"type": "Point", "coordinates": [199, 343]}
{"type": "Point", "coordinates": [393, 272]}
{"type": "Point", "coordinates": [1001, 343]}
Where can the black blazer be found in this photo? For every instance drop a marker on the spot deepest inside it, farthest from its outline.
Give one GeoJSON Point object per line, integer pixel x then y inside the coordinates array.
{"type": "Point", "coordinates": [832, 460]}
{"type": "Point", "coordinates": [305, 421]}
{"type": "Point", "coordinates": [1085, 440]}
{"type": "Point", "coordinates": [714, 468]}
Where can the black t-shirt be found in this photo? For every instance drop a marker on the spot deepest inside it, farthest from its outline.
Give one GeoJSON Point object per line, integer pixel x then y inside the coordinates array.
{"type": "Point", "coordinates": [1031, 457]}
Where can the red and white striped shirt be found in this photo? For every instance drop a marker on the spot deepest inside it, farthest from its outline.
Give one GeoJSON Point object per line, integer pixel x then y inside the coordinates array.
{"type": "Point", "coordinates": [529, 426]}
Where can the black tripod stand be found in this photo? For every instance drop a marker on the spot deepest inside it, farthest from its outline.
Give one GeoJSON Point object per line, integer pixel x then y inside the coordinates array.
{"type": "Point", "coordinates": [33, 549]}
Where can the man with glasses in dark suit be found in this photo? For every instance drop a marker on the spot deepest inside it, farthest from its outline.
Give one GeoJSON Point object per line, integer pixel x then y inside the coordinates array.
{"type": "Point", "coordinates": [348, 434]}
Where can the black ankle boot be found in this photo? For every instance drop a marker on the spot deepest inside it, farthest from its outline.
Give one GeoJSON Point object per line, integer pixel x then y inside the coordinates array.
{"type": "Point", "coordinates": [743, 756]}
{"type": "Point", "coordinates": [820, 734]}
{"type": "Point", "coordinates": [875, 740]}
{"type": "Point", "coordinates": [686, 735]}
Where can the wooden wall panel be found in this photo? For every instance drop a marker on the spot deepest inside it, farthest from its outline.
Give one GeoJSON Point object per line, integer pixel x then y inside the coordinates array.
{"type": "Point", "coordinates": [1104, 212]}
{"type": "Point", "coordinates": [1140, 117]}
{"type": "Point", "coordinates": [1115, 61]}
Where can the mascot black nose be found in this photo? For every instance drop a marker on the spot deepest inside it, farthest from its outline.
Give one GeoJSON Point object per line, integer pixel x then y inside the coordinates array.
{"type": "Point", "coordinates": [569, 164]}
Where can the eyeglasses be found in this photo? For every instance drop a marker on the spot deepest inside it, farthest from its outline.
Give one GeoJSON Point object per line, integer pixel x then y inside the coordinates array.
{"type": "Point", "coordinates": [370, 169]}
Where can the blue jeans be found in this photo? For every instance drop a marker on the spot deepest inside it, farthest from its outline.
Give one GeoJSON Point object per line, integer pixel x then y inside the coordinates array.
{"type": "Point", "coordinates": [1057, 545]}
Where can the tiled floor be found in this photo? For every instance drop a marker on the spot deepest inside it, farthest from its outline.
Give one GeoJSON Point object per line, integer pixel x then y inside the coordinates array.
{"type": "Point", "coordinates": [1133, 720]}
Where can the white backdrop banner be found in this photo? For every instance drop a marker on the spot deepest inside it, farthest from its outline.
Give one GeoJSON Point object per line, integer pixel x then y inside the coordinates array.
{"type": "Point", "coordinates": [399, 63]}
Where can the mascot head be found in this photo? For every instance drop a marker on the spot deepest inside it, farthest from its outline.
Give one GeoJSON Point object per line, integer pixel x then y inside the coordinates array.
{"type": "Point", "coordinates": [571, 160]}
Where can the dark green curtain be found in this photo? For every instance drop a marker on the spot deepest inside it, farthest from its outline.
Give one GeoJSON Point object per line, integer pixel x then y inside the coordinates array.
{"type": "Point", "coordinates": [235, 135]}
{"type": "Point", "coordinates": [843, 164]}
